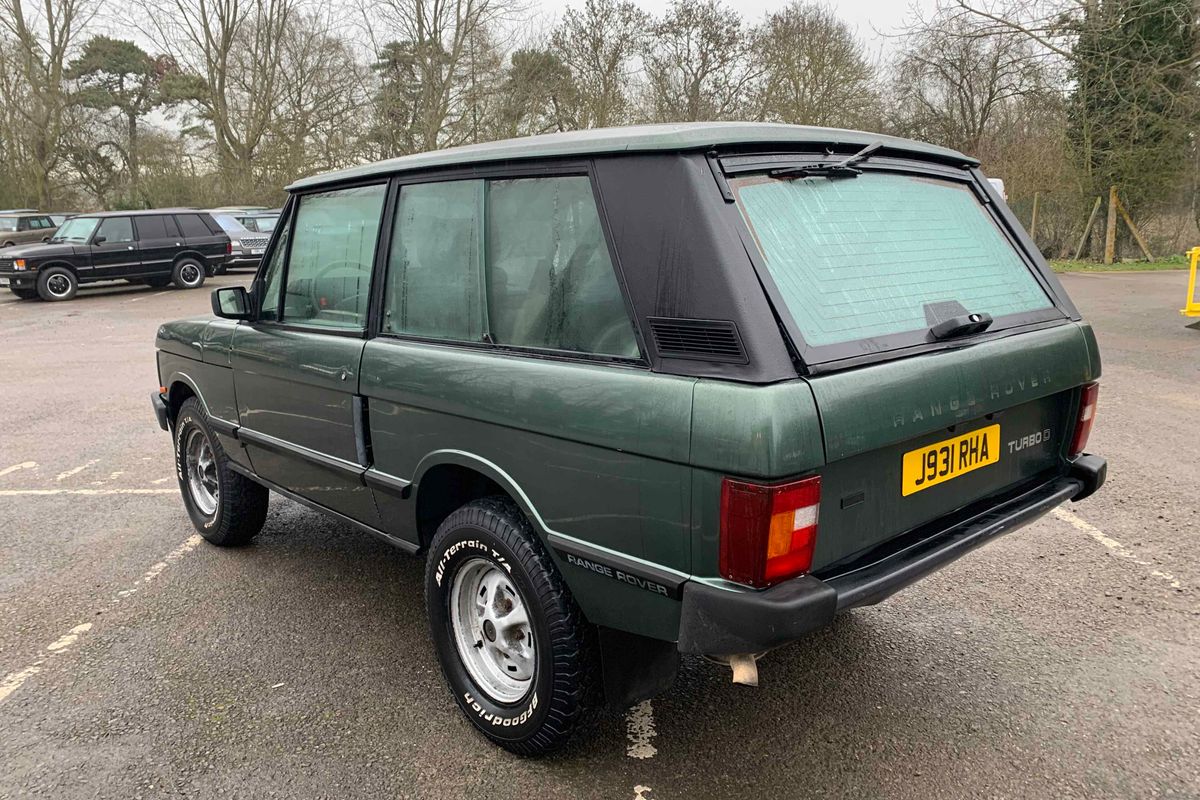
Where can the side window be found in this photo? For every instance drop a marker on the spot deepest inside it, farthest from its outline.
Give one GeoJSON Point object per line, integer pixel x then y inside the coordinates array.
{"type": "Point", "coordinates": [550, 281]}
{"type": "Point", "coordinates": [192, 225]}
{"type": "Point", "coordinates": [24, 223]}
{"type": "Point", "coordinates": [116, 230]}
{"type": "Point", "coordinates": [151, 226]}
{"type": "Point", "coordinates": [434, 285]}
{"type": "Point", "coordinates": [329, 273]}
{"type": "Point", "coordinates": [273, 278]}
{"type": "Point", "coordinates": [519, 262]}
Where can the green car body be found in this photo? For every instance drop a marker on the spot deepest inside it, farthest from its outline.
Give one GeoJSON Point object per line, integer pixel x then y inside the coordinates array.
{"type": "Point", "coordinates": [618, 460]}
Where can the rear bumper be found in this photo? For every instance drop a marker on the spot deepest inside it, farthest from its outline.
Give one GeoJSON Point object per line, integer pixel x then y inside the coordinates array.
{"type": "Point", "coordinates": [721, 621]}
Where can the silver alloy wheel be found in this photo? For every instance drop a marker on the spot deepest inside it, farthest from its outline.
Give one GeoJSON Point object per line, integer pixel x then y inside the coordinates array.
{"type": "Point", "coordinates": [58, 285]}
{"type": "Point", "coordinates": [492, 631]}
{"type": "Point", "coordinates": [190, 274]}
{"type": "Point", "coordinates": [201, 472]}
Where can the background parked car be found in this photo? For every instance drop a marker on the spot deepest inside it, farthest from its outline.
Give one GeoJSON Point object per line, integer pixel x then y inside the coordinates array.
{"type": "Point", "coordinates": [260, 221]}
{"type": "Point", "coordinates": [246, 246]}
{"type": "Point", "coordinates": [155, 247]}
{"type": "Point", "coordinates": [23, 228]}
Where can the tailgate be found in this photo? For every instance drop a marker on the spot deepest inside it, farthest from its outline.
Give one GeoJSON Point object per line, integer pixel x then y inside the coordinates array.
{"type": "Point", "coordinates": [1017, 393]}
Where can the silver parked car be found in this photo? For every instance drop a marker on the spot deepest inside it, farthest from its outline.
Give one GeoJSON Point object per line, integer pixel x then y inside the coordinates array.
{"type": "Point", "coordinates": [247, 245]}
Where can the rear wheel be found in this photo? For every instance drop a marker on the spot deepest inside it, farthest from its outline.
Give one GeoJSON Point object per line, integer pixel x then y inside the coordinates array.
{"type": "Point", "coordinates": [227, 508]}
{"type": "Point", "coordinates": [57, 283]}
{"type": "Point", "coordinates": [24, 294]}
{"type": "Point", "coordinates": [514, 647]}
{"type": "Point", "coordinates": [188, 274]}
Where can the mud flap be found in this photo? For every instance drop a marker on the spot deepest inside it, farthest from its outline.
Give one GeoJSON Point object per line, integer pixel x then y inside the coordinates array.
{"type": "Point", "coordinates": [635, 668]}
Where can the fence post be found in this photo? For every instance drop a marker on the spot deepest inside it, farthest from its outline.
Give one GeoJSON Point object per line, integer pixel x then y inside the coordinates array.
{"type": "Point", "coordinates": [1110, 231]}
{"type": "Point", "coordinates": [1033, 220]}
{"type": "Point", "coordinates": [1087, 229]}
{"type": "Point", "coordinates": [1137, 235]}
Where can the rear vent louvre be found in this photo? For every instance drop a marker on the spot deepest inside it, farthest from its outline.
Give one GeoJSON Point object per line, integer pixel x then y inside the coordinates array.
{"type": "Point", "coordinates": [698, 339]}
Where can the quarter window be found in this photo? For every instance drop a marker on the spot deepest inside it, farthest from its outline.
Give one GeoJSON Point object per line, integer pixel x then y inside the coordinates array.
{"type": "Point", "coordinates": [515, 262]}
{"type": "Point", "coordinates": [273, 278]}
{"type": "Point", "coordinates": [116, 230]}
{"type": "Point", "coordinates": [192, 225]}
{"type": "Point", "coordinates": [333, 247]}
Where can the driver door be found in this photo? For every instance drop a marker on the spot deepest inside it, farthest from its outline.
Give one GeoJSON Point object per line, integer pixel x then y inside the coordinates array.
{"type": "Point", "coordinates": [296, 369]}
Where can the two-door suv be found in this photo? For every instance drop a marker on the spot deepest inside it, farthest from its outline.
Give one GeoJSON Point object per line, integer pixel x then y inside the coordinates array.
{"type": "Point", "coordinates": [639, 392]}
{"type": "Point", "coordinates": [158, 247]}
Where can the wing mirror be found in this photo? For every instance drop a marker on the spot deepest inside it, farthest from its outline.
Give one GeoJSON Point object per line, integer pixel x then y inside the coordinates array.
{"type": "Point", "coordinates": [100, 240]}
{"type": "Point", "coordinates": [232, 302]}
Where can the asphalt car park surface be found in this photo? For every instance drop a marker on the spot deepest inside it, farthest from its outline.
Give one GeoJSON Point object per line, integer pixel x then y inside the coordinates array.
{"type": "Point", "coordinates": [1060, 661]}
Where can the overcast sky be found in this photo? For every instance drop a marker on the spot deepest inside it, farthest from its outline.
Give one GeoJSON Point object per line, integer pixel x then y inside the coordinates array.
{"type": "Point", "coordinates": [865, 16]}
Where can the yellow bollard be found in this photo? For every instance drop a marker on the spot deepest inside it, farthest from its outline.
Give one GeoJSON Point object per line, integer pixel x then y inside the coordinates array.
{"type": "Point", "coordinates": [1192, 307]}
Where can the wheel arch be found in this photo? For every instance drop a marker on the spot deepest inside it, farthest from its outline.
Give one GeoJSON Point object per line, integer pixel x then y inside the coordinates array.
{"type": "Point", "coordinates": [180, 387]}
{"type": "Point", "coordinates": [445, 480]}
{"type": "Point", "coordinates": [63, 264]}
{"type": "Point", "coordinates": [194, 255]}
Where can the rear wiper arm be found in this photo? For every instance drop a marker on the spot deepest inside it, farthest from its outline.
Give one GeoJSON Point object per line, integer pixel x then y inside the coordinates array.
{"type": "Point", "coordinates": [962, 325]}
{"type": "Point", "coordinates": [838, 169]}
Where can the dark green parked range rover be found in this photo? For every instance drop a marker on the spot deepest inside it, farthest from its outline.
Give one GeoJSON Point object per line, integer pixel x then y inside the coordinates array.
{"type": "Point", "coordinates": [641, 391]}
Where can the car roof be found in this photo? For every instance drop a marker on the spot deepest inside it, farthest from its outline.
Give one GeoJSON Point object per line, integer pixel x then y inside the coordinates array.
{"type": "Point", "coordinates": [679, 137]}
{"type": "Point", "coordinates": [141, 212]}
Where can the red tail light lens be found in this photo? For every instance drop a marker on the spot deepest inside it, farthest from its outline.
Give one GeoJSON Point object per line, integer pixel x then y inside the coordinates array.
{"type": "Point", "coordinates": [768, 533]}
{"type": "Point", "coordinates": [1087, 415]}
{"type": "Point", "coordinates": [229, 248]}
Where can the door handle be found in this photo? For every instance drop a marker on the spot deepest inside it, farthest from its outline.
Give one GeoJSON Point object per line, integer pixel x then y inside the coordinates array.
{"type": "Point", "coordinates": [345, 373]}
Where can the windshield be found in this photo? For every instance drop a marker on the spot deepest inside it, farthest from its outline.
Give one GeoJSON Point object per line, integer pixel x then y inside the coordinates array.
{"type": "Point", "coordinates": [882, 254]}
{"type": "Point", "coordinates": [228, 223]}
{"type": "Point", "coordinates": [76, 229]}
{"type": "Point", "coordinates": [8, 223]}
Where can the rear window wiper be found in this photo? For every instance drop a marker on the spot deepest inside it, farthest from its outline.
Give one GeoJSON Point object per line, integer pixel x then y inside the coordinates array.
{"type": "Point", "coordinates": [838, 169]}
{"type": "Point", "coordinates": [962, 325]}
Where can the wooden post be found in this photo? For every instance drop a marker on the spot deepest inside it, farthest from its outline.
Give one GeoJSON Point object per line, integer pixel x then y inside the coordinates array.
{"type": "Point", "coordinates": [1033, 219]}
{"type": "Point", "coordinates": [1137, 235]}
{"type": "Point", "coordinates": [1087, 229]}
{"type": "Point", "coordinates": [1110, 230]}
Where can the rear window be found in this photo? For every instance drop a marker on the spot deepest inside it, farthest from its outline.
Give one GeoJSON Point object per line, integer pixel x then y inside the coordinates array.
{"type": "Point", "coordinates": [192, 225]}
{"type": "Point", "coordinates": [883, 254]}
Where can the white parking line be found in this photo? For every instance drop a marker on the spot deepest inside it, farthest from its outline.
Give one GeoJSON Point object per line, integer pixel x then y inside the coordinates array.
{"type": "Point", "coordinates": [75, 470]}
{"type": "Point", "coordinates": [639, 729]}
{"type": "Point", "coordinates": [1113, 545]}
{"type": "Point", "coordinates": [639, 792]}
{"type": "Point", "coordinates": [17, 468]}
{"type": "Point", "coordinates": [14, 680]}
{"type": "Point", "coordinates": [49, 492]}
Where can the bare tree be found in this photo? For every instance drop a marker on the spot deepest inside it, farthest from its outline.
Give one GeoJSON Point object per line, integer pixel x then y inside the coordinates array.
{"type": "Point", "coordinates": [698, 63]}
{"type": "Point", "coordinates": [600, 46]}
{"type": "Point", "coordinates": [230, 51]}
{"type": "Point", "coordinates": [951, 84]}
{"type": "Point", "coordinates": [437, 46]}
{"type": "Point", "coordinates": [42, 39]}
{"type": "Point", "coordinates": [814, 70]}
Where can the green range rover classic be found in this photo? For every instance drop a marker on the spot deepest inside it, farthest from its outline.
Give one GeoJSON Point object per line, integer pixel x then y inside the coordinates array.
{"type": "Point", "coordinates": [639, 392]}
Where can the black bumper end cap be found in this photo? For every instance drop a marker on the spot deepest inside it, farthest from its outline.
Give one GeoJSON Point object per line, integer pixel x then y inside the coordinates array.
{"type": "Point", "coordinates": [1091, 471]}
{"type": "Point", "coordinates": [720, 622]}
{"type": "Point", "coordinates": [160, 410]}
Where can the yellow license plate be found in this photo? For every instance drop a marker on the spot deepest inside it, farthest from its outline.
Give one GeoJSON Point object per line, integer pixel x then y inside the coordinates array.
{"type": "Point", "coordinates": [937, 463]}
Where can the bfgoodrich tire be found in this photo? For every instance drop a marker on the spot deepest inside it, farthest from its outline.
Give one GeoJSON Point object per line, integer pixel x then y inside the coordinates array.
{"type": "Point", "coordinates": [57, 283]}
{"type": "Point", "coordinates": [188, 274]}
{"type": "Point", "coordinates": [227, 508]}
{"type": "Point", "coordinates": [514, 647]}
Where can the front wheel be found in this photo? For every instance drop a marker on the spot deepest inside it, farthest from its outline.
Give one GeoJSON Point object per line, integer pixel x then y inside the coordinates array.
{"type": "Point", "coordinates": [514, 647]}
{"type": "Point", "coordinates": [188, 274]}
{"type": "Point", "coordinates": [57, 283]}
{"type": "Point", "coordinates": [226, 507]}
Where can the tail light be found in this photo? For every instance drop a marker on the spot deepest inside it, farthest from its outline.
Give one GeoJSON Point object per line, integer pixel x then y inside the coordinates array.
{"type": "Point", "coordinates": [229, 248]}
{"type": "Point", "coordinates": [768, 533]}
{"type": "Point", "coordinates": [1087, 415]}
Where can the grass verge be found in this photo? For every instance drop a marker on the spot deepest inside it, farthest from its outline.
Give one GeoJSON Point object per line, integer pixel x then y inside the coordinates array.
{"type": "Point", "coordinates": [1171, 262]}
